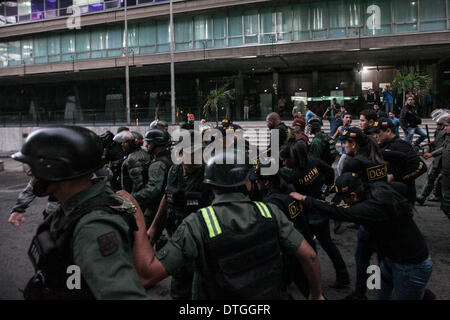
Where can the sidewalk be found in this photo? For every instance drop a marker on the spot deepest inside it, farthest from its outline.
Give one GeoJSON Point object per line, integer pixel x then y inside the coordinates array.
{"type": "Point", "coordinates": [10, 164]}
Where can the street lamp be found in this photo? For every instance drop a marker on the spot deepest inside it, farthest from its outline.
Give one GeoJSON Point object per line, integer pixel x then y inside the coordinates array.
{"type": "Point", "coordinates": [172, 67]}
{"type": "Point", "coordinates": [127, 69]}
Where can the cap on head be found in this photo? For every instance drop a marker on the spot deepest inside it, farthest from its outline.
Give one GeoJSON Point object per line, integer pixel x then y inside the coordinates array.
{"type": "Point", "coordinates": [61, 153]}
{"type": "Point", "coordinates": [355, 134]}
{"type": "Point", "coordinates": [315, 123]}
{"type": "Point", "coordinates": [347, 183]}
{"type": "Point", "coordinates": [383, 124]}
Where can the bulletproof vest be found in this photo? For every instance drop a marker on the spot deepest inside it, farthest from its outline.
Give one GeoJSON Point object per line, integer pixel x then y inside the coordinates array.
{"type": "Point", "coordinates": [293, 210]}
{"type": "Point", "coordinates": [142, 157]}
{"type": "Point", "coordinates": [51, 251]}
{"type": "Point", "coordinates": [244, 265]}
{"type": "Point", "coordinates": [329, 148]}
{"type": "Point", "coordinates": [183, 199]}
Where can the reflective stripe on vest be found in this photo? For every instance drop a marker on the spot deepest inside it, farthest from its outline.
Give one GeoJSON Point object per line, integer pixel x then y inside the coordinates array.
{"type": "Point", "coordinates": [213, 224]}
{"type": "Point", "coordinates": [211, 221]}
{"type": "Point", "coordinates": [265, 212]}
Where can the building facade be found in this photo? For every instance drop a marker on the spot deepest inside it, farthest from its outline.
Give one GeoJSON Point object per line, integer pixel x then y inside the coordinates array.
{"type": "Point", "coordinates": [63, 61]}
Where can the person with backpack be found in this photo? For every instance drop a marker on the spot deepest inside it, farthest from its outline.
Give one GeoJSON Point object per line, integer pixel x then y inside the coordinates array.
{"type": "Point", "coordinates": [322, 147]}
{"type": "Point", "coordinates": [157, 143]}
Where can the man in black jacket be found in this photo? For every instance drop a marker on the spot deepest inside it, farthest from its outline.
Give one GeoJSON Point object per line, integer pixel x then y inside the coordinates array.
{"type": "Point", "coordinates": [382, 209]}
{"type": "Point", "coordinates": [409, 121]}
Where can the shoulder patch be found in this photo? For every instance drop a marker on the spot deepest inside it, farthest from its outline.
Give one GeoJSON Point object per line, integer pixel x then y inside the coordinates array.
{"type": "Point", "coordinates": [108, 244]}
{"type": "Point", "coordinates": [155, 173]}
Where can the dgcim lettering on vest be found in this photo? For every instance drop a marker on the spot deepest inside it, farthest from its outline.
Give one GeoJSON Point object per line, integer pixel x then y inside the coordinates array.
{"type": "Point", "coordinates": [246, 309]}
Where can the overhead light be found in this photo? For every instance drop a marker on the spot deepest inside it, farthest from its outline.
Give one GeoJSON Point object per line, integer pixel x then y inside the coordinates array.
{"type": "Point", "coordinates": [247, 57]}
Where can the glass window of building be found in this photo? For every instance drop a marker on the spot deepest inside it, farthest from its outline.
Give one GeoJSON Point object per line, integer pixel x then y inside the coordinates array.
{"type": "Point", "coordinates": [251, 26]}
{"type": "Point", "coordinates": [11, 12]}
{"type": "Point", "coordinates": [378, 17]}
{"type": "Point", "coordinates": [54, 48]}
{"type": "Point", "coordinates": [2, 13]}
{"type": "Point", "coordinates": [183, 33]}
{"type": "Point", "coordinates": [301, 22]}
{"type": "Point", "coordinates": [133, 38]}
{"type": "Point", "coordinates": [68, 46]}
{"type": "Point", "coordinates": [51, 9]}
{"type": "Point", "coordinates": [3, 54]}
{"type": "Point", "coordinates": [284, 24]}
{"type": "Point", "coordinates": [14, 53]}
{"type": "Point", "coordinates": [24, 10]}
{"type": "Point", "coordinates": [220, 30]}
{"type": "Point", "coordinates": [318, 12]}
{"type": "Point", "coordinates": [203, 31]}
{"type": "Point", "coordinates": [162, 36]}
{"type": "Point", "coordinates": [432, 15]}
{"type": "Point", "coordinates": [37, 9]}
{"type": "Point", "coordinates": [405, 15]}
{"type": "Point", "coordinates": [337, 18]}
{"type": "Point", "coordinates": [40, 50]}
{"type": "Point", "coordinates": [98, 43]}
{"type": "Point", "coordinates": [235, 29]}
{"type": "Point", "coordinates": [268, 17]}
{"type": "Point", "coordinates": [114, 41]}
{"type": "Point", "coordinates": [83, 44]}
{"type": "Point", "coordinates": [26, 47]}
{"type": "Point", "coordinates": [147, 37]}
{"type": "Point", "coordinates": [355, 17]}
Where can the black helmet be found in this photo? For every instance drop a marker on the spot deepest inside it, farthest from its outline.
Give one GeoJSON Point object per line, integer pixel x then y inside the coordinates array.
{"type": "Point", "coordinates": [158, 136]}
{"type": "Point", "coordinates": [224, 170]}
{"type": "Point", "coordinates": [315, 123]}
{"type": "Point", "coordinates": [107, 138]}
{"type": "Point", "coordinates": [134, 138]}
{"type": "Point", "coordinates": [61, 153]}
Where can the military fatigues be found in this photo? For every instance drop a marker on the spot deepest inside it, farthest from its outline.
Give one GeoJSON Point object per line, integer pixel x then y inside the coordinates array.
{"type": "Point", "coordinates": [233, 219]}
{"type": "Point", "coordinates": [185, 193]}
{"type": "Point", "coordinates": [445, 182]}
{"type": "Point", "coordinates": [435, 168]}
{"type": "Point", "coordinates": [95, 236]}
{"type": "Point", "coordinates": [133, 171]}
{"type": "Point", "coordinates": [151, 193]}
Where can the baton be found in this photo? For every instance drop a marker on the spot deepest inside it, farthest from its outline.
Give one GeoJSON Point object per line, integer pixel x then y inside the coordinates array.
{"type": "Point", "coordinates": [428, 137]}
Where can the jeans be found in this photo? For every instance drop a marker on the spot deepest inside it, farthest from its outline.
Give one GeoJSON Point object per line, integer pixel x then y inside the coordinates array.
{"type": "Point", "coordinates": [246, 113]}
{"type": "Point", "coordinates": [389, 107]}
{"type": "Point", "coordinates": [404, 281]}
{"type": "Point", "coordinates": [340, 165]}
{"type": "Point", "coordinates": [410, 135]}
{"type": "Point", "coordinates": [322, 232]}
{"type": "Point", "coordinates": [365, 247]}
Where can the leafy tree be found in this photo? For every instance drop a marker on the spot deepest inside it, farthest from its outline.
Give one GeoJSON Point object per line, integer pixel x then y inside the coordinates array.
{"type": "Point", "coordinates": [218, 98]}
{"type": "Point", "coordinates": [412, 81]}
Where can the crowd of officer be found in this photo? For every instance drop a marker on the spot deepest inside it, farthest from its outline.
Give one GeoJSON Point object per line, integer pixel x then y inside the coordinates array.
{"type": "Point", "coordinates": [225, 229]}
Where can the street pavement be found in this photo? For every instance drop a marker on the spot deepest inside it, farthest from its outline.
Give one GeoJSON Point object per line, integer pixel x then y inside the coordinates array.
{"type": "Point", "coordinates": [16, 269]}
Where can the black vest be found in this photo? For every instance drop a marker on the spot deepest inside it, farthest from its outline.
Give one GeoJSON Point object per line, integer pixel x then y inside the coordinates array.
{"type": "Point", "coordinates": [245, 265]}
{"type": "Point", "coordinates": [51, 252]}
{"type": "Point", "coordinates": [184, 199]}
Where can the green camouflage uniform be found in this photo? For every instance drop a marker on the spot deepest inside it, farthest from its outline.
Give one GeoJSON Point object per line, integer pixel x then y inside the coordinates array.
{"type": "Point", "coordinates": [102, 246]}
{"type": "Point", "coordinates": [150, 195]}
{"type": "Point", "coordinates": [133, 170]}
{"type": "Point", "coordinates": [445, 204]}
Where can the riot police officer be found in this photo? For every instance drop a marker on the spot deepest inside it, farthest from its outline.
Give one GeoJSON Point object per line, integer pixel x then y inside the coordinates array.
{"type": "Point", "coordinates": [434, 170]}
{"type": "Point", "coordinates": [235, 243]}
{"type": "Point", "coordinates": [157, 144]}
{"type": "Point", "coordinates": [93, 227]}
{"type": "Point", "coordinates": [113, 156]}
{"type": "Point", "coordinates": [185, 193]}
{"type": "Point", "coordinates": [134, 166]}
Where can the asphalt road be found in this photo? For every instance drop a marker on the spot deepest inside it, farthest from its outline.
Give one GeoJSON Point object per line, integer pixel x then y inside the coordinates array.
{"type": "Point", "coordinates": [16, 269]}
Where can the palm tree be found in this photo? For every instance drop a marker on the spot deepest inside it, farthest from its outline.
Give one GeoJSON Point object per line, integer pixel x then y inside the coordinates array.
{"type": "Point", "coordinates": [218, 98]}
{"type": "Point", "coordinates": [415, 81]}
